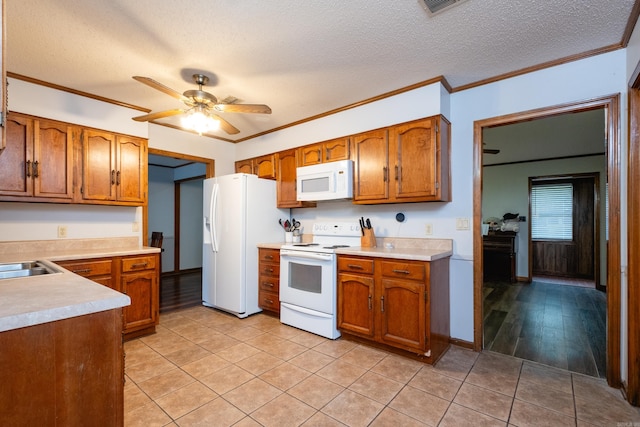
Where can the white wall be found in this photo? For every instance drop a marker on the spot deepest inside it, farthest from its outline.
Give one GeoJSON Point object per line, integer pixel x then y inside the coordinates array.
{"type": "Point", "coordinates": [506, 189]}
{"type": "Point", "coordinates": [191, 224]}
{"type": "Point", "coordinates": [161, 211]}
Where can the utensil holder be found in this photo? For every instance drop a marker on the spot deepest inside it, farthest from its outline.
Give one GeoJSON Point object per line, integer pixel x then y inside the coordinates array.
{"type": "Point", "coordinates": [368, 240]}
{"type": "Point", "coordinates": [288, 236]}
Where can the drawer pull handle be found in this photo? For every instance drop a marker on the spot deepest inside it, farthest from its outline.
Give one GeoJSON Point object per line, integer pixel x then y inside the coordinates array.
{"type": "Point", "coordinates": [401, 271]}
{"type": "Point", "coordinates": [113, 177]}
{"type": "Point", "coordinates": [28, 169]}
{"type": "Point", "coordinates": [268, 256]}
{"type": "Point", "coordinates": [355, 267]}
{"type": "Point", "coordinates": [270, 301]}
{"type": "Point", "coordinates": [118, 178]}
{"type": "Point", "coordinates": [35, 169]}
{"type": "Point", "coordinates": [270, 270]}
{"type": "Point", "coordinates": [140, 264]}
{"type": "Point", "coordinates": [268, 284]}
{"type": "Point", "coordinates": [82, 270]}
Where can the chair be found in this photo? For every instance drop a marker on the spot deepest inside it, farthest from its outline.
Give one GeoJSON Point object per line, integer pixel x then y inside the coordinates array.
{"type": "Point", "coordinates": [156, 242]}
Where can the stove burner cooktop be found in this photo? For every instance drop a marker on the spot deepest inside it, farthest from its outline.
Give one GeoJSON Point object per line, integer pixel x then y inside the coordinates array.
{"type": "Point", "coordinates": [335, 246]}
{"type": "Point", "coordinates": [305, 244]}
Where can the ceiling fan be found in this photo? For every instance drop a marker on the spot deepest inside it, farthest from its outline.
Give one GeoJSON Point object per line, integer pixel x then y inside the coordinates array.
{"type": "Point", "coordinates": [201, 107]}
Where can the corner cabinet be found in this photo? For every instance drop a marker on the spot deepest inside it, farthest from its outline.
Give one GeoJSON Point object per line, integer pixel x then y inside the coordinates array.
{"type": "Point", "coordinates": [114, 168]}
{"type": "Point", "coordinates": [136, 276]}
{"type": "Point", "coordinates": [286, 185]}
{"type": "Point", "coordinates": [408, 162]}
{"type": "Point", "coordinates": [395, 303]}
{"type": "Point", "coordinates": [37, 162]}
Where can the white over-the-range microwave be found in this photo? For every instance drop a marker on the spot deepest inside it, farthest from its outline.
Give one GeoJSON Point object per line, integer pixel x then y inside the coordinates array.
{"type": "Point", "coordinates": [325, 181]}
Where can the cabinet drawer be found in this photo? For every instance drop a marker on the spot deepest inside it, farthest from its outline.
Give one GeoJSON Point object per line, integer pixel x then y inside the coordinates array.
{"type": "Point", "coordinates": [269, 255]}
{"type": "Point", "coordinates": [405, 270]}
{"type": "Point", "coordinates": [269, 269]}
{"type": "Point", "coordinates": [269, 283]}
{"type": "Point", "coordinates": [355, 265]}
{"type": "Point", "coordinates": [269, 301]}
{"type": "Point", "coordinates": [138, 263]}
{"type": "Point", "coordinates": [88, 268]}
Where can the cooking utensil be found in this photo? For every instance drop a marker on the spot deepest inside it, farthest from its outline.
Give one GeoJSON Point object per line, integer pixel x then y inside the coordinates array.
{"type": "Point", "coordinates": [368, 224]}
{"type": "Point", "coordinates": [287, 225]}
{"type": "Point", "coordinates": [361, 221]}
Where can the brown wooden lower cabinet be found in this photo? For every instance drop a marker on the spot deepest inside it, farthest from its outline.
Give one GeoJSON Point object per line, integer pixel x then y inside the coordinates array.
{"type": "Point", "coordinates": [395, 303]}
{"type": "Point", "coordinates": [269, 280]}
{"type": "Point", "coordinates": [136, 276]}
{"type": "Point", "coordinates": [67, 373]}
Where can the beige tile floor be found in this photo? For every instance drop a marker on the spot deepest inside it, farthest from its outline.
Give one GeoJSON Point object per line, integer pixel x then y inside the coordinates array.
{"type": "Point", "coordinates": [206, 368]}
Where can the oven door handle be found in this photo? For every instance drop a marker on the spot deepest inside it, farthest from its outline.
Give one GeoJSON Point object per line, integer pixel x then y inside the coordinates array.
{"type": "Point", "coordinates": [303, 310]}
{"type": "Point", "coordinates": [284, 253]}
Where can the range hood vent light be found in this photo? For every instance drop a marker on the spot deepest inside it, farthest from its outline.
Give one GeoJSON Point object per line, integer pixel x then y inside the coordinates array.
{"type": "Point", "coordinates": [435, 6]}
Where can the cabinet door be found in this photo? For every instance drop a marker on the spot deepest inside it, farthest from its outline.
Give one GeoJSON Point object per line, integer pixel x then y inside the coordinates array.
{"type": "Point", "coordinates": [142, 288]}
{"type": "Point", "coordinates": [265, 166]}
{"type": "Point", "coordinates": [53, 160]}
{"type": "Point", "coordinates": [15, 160]}
{"type": "Point", "coordinates": [371, 180]}
{"type": "Point", "coordinates": [287, 162]}
{"type": "Point", "coordinates": [310, 154]}
{"type": "Point", "coordinates": [244, 166]}
{"type": "Point", "coordinates": [403, 314]}
{"type": "Point", "coordinates": [131, 173]}
{"type": "Point", "coordinates": [336, 149]}
{"type": "Point", "coordinates": [98, 165]}
{"type": "Point", "coordinates": [355, 304]}
{"type": "Point", "coordinates": [415, 151]}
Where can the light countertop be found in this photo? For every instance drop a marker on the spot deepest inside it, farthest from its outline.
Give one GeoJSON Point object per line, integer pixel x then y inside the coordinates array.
{"type": "Point", "coordinates": [394, 247]}
{"type": "Point", "coordinates": [34, 300]}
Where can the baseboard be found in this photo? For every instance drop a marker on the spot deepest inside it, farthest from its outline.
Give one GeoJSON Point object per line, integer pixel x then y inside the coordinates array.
{"type": "Point", "coordinates": [461, 343]}
{"type": "Point", "coordinates": [601, 288]}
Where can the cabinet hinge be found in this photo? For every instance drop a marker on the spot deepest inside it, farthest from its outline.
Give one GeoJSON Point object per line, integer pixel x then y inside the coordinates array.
{"type": "Point", "coordinates": [437, 185]}
{"type": "Point", "coordinates": [2, 118]}
{"type": "Point", "coordinates": [81, 190]}
{"type": "Point", "coordinates": [437, 129]}
{"type": "Point", "coordinates": [426, 297]}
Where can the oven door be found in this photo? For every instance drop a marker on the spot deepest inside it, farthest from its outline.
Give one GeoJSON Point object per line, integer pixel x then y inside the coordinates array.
{"type": "Point", "coordinates": [308, 279]}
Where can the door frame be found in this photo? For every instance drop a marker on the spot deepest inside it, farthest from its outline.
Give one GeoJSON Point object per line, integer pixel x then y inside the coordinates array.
{"type": "Point", "coordinates": [611, 105]}
{"type": "Point", "coordinates": [209, 171]}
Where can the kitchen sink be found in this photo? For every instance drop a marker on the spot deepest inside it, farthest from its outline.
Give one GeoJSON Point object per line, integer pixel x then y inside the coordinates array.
{"type": "Point", "coordinates": [13, 270]}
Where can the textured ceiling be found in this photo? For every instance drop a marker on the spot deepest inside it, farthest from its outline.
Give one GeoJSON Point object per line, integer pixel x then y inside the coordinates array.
{"type": "Point", "coordinates": [300, 58]}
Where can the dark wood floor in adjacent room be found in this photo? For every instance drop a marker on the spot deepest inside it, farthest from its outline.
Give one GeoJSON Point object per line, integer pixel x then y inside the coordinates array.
{"type": "Point", "coordinates": [557, 325]}
{"type": "Point", "coordinates": [180, 290]}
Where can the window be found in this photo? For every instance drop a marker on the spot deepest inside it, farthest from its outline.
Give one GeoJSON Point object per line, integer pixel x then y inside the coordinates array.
{"type": "Point", "coordinates": [552, 211]}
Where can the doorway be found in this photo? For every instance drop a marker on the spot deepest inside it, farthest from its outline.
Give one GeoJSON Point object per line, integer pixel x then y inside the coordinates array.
{"type": "Point", "coordinates": [610, 106]}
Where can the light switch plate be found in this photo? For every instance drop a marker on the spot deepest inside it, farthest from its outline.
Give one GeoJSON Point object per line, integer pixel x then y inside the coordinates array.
{"type": "Point", "coordinates": [462, 223]}
{"type": "Point", "coordinates": [428, 229]}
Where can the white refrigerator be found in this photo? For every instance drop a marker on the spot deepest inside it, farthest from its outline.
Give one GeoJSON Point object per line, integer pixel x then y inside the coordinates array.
{"type": "Point", "coordinates": [239, 211]}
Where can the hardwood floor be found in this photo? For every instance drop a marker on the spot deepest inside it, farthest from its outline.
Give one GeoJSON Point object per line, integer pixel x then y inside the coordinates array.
{"type": "Point", "coordinates": [556, 325]}
{"type": "Point", "coordinates": [180, 290]}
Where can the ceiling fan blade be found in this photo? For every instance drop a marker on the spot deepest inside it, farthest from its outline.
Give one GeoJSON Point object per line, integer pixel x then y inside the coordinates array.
{"type": "Point", "coordinates": [243, 108]}
{"type": "Point", "coordinates": [490, 151]}
{"type": "Point", "coordinates": [226, 126]}
{"type": "Point", "coordinates": [158, 115]}
{"type": "Point", "coordinates": [159, 86]}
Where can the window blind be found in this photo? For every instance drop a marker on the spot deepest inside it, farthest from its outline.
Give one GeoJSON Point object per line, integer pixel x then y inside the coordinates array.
{"type": "Point", "coordinates": [552, 212]}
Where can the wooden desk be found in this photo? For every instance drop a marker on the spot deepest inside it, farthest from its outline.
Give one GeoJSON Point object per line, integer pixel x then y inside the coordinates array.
{"type": "Point", "coordinates": [499, 256]}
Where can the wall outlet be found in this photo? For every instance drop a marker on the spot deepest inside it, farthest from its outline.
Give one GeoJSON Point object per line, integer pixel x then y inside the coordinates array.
{"type": "Point", "coordinates": [462, 223]}
{"type": "Point", "coordinates": [135, 226]}
{"type": "Point", "coordinates": [428, 229]}
{"type": "Point", "coordinates": [62, 231]}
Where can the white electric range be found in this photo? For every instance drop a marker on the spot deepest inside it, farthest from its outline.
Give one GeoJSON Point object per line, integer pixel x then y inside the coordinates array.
{"type": "Point", "coordinates": [308, 273]}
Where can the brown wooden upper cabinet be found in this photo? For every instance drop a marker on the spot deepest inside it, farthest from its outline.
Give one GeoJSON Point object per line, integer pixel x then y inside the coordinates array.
{"type": "Point", "coordinates": [408, 162]}
{"type": "Point", "coordinates": [114, 168]}
{"type": "Point", "coordinates": [263, 166]}
{"type": "Point", "coordinates": [37, 162]}
{"type": "Point", "coordinates": [3, 80]}
{"type": "Point", "coordinates": [323, 152]}
{"type": "Point", "coordinates": [286, 163]}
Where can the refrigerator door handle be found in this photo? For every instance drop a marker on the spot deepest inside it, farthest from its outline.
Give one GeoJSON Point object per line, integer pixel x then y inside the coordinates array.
{"type": "Point", "coordinates": [213, 208]}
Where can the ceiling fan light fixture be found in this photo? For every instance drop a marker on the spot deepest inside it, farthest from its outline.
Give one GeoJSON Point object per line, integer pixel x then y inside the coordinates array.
{"type": "Point", "coordinates": [198, 120]}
